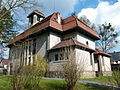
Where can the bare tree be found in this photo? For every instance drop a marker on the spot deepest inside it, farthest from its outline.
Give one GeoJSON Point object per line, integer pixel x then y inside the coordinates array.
{"type": "Point", "coordinates": [13, 5]}
{"type": "Point", "coordinates": [107, 36]}
{"type": "Point", "coordinates": [72, 69]}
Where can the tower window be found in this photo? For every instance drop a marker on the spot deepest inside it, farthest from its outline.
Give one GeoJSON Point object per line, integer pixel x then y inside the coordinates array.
{"type": "Point", "coordinates": [38, 18]}
{"type": "Point", "coordinates": [31, 20]}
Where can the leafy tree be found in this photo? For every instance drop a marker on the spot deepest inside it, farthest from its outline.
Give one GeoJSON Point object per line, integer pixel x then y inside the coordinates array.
{"type": "Point", "coordinates": [107, 36]}
{"type": "Point", "coordinates": [86, 21]}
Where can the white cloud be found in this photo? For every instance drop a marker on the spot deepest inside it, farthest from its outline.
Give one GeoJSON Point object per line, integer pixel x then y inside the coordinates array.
{"type": "Point", "coordinates": [47, 7]}
{"type": "Point", "coordinates": [104, 12]}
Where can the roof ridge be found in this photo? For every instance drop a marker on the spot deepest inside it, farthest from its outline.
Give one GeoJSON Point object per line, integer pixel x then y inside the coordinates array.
{"type": "Point", "coordinates": [83, 22]}
{"type": "Point", "coordinates": [37, 12]}
{"type": "Point", "coordinates": [75, 19]}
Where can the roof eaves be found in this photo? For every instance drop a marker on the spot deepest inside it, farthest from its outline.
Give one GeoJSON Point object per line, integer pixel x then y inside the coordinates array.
{"type": "Point", "coordinates": [100, 52]}
{"type": "Point", "coordinates": [37, 12]}
{"type": "Point", "coordinates": [75, 19]}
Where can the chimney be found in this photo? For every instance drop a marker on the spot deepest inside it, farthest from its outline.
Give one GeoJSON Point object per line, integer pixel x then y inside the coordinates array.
{"type": "Point", "coordinates": [58, 19]}
{"type": "Point", "coordinates": [35, 17]}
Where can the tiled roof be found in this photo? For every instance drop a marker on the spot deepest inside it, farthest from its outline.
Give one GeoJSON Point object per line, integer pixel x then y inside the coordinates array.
{"type": "Point", "coordinates": [37, 12]}
{"type": "Point", "coordinates": [50, 21]}
{"type": "Point", "coordinates": [100, 52]}
{"type": "Point", "coordinates": [73, 21]}
{"type": "Point", "coordinates": [71, 42]}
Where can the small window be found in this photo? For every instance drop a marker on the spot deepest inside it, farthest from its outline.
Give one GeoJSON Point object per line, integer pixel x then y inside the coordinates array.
{"type": "Point", "coordinates": [56, 57]}
{"type": "Point", "coordinates": [87, 43]}
{"type": "Point", "coordinates": [116, 62]}
{"type": "Point", "coordinates": [38, 18]}
{"type": "Point", "coordinates": [31, 20]}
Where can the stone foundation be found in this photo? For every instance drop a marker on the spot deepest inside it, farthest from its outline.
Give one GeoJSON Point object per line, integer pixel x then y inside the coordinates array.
{"type": "Point", "coordinates": [107, 73]}
{"type": "Point", "coordinates": [89, 74]}
{"type": "Point", "coordinates": [54, 74]}
{"type": "Point", "coordinates": [58, 74]}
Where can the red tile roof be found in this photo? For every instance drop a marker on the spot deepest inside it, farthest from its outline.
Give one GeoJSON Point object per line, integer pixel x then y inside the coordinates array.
{"type": "Point", "coordinates": [36, 12]}
{"type": "Point", "coordinates": [100, 52]}
{"type": "Point", "coordinates": [71, 42]}
{"type": "Point", "coordinates": [50, 21]}
{"type": "Point", "coordinates": [73, 21]}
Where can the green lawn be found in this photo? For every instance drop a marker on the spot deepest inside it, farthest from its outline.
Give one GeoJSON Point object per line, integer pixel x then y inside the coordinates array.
{"type": "Point", "coordinates": [50, 84]}
{"type": "Point", "coordinates": [4, 83]}
{"type": "Point", "coordinates": [103, 79]}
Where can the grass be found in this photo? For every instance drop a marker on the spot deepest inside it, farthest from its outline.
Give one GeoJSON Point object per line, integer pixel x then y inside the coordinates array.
{"type": "Point", "coordinates": [103, 79]}
{"type": "Point", "coordinates": [50, 84]}
{"type": "Point", "coordinates": [111, 80]}
{"type": "Point", "coordinates": [4, 83]}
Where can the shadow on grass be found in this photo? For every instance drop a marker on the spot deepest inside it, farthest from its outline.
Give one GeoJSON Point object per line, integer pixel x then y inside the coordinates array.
{"type": "Point", "coordinates": [95, 87]}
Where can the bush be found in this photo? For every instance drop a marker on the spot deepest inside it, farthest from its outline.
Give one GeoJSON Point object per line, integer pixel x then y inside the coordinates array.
{"type": "Point", "coordinates": [28, 77]}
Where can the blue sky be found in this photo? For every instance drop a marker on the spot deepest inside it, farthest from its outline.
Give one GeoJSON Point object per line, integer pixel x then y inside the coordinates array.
{"type": "Point", "coordinates": [97, 11]}
{"type": "Point", "coordinates": [90, 4]}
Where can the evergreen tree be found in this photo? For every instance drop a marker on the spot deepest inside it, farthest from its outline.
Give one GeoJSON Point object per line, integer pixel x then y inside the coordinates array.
{"type": "Point", "coordinates": [6, 26]}
{"type": "Point", "coordinates": [6, 30]}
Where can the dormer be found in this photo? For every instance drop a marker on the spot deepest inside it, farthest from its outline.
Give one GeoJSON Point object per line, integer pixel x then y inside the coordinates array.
{"type": "Point", "coordinates": [35, 17]}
